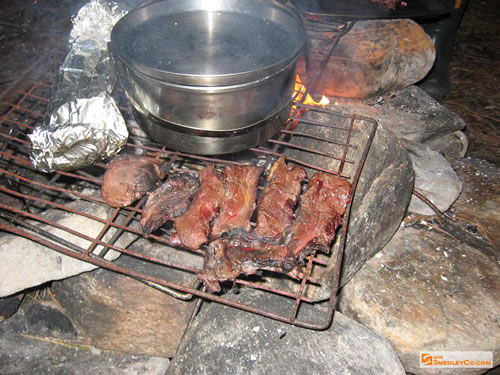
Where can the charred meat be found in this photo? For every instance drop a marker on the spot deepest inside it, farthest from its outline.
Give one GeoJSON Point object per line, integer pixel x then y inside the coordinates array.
{"type": "Point", "coordinates": [193, 227]}
{"type": "Point", "coordinates": [243, 253]}
{"type": "Point", "coordinates": [128, 178]}
{"type": "Point", "coordinates": [240, 192]}
{"type": "Point", "coordinates": [318, 215]}
{"type": "Point", "coordinates": [168, 201]}
{"type": "Point", "coordinates": [277, 202]}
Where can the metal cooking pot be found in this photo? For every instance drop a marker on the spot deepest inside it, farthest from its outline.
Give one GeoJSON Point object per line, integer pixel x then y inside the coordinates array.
{"type": "Point", "coordinates": [209, 77]}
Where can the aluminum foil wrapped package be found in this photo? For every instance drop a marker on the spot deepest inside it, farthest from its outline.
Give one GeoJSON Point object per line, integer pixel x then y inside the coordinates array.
{"type": "Point", "coordinates": [80, 133]}
{"type": "Point", "coordinates": [83, 124]}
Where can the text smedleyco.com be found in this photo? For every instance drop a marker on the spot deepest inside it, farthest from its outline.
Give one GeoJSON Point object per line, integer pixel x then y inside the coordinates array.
{"type": "Point", "coordinates": [456, 359]}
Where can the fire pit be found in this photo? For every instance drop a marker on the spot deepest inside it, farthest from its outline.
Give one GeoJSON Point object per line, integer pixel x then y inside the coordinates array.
{"type": "Point", "coordinates": [37, 192]}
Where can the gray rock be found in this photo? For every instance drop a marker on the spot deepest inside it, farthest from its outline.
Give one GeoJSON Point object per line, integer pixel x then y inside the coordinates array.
{"type": "Point", "coordinates": [41, 340]}
{"type": "Point", "coordinates": [428, 292]}
{"type": "Point", "coordinates": [223, 340]}
{"type": "Point", "coordinates": [166, 253]}
{"type": "Point", "coordinates": [9, 305]}
{"type": "Point", "coordinates": [434, 178]}
{"type": "Point", "coordinates": [451, 145]}
{"type": "Point", "coordinates": [382, 194]}
{"type": "Point", "coordinates": [479, 204]}
{"type": "Point", "coordinates": [25, 264]}
{"type": "Point", "coordinates": [122, 314]}
{"type": "Point", "coordinates": [411, 114]}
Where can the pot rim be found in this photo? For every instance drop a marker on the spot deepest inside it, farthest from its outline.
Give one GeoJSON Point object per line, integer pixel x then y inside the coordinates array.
{"type": "Point", "coordinates": [204, 80]}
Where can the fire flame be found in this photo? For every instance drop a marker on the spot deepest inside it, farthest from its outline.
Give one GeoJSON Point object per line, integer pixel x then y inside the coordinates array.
{"type": "Point", "coordinates": [300, 89]}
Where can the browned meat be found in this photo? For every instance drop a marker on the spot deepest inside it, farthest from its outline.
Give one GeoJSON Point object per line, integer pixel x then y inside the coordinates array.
{"type": "Point", "coordinates": [168, 201]}
{"type": "Point", "coordinates": [192, 228]}
{"type": "Point", "coordinates": [240, 192]}
{"type": "Point", "coordinates": [318, 215]}
{"type": "Point", "coordinates": [128, 178]}
{"type": "Point", "coordinates": [277, 202]}
{"type": "Point", "coordinates": [244, 253]}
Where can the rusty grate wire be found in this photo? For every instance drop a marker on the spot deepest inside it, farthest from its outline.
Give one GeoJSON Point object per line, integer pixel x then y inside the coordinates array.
{"type": "Point", "coordinates": [316, 138]}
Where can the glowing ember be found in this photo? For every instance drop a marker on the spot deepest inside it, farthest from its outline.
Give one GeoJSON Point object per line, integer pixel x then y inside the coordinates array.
{"type": "Point", "coordinates": [301, 89]}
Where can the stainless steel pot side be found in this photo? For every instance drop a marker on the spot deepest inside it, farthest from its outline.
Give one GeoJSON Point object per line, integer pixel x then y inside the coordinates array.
{"type": "Point", "coordinates": [209, 77]}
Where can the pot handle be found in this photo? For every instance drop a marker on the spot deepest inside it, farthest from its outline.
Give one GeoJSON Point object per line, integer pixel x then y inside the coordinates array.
{"type": "Point", "coordinates": [307, 56]}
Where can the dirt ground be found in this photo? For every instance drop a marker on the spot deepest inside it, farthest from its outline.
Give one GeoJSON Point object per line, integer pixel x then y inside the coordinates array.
{"type": "Point", "coordinates": [475, 78]}
{"type": "Point", "coordinates": [31, 28]}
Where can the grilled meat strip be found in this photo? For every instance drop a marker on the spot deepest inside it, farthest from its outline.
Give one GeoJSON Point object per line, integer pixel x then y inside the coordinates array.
{"type": "Point", "coordinates": [239, 252]}
{"type": "Point", "coordinates": [240, 192]}
{"type": "Point", "coordinates": [277, 202]}
{"type": "Point", "coordinates": [192, 228]}
{"type": "Point", "coordinates": [168, 201]}
{"type": "Point", "coordinates": [128, 178]}
{"type": "Point", "coordinates": [318, 215]}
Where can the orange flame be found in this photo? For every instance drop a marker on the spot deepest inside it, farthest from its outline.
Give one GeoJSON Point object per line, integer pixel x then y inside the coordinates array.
{"type": "Point", "coordinates": [300, 89]}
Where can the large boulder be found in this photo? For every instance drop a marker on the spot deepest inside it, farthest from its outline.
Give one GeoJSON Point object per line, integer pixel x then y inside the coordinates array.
{"type": "Point", "coordinates": [377, 57]}
{"type": "Point", "coordinates": [224, 340]}
{"type": "Point", "coordinates": [426, 291]}
{"type": "Point", "coordinates": [437, 290]}
{"type": "Point", "coordinates": [40, 339]}
{"type": "Point", "coordinates": [120, 313]}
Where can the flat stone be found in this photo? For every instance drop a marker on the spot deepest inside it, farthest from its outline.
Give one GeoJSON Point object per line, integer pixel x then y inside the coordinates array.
{"type": "Point", "coordinates": [381, 197]}
{"type": "Point", "coordinates": [434, 178]}
{"type": "Point", "coordinates": [25, 264]}
{"type": "Point", "coordinates": [41, 340]}
{"type": "Point", "coordinates": [119, 313]}
{"type": "Point", "coordinates": [451, 145]}
{"type": "Point", "coordinates": [377, 57]}
{"type": "Point", "coordinates": [224, 340]}
{"type": "Point", "coordinates": [425, 291]}
{"type": "Point", "coordinates": [411, 114]}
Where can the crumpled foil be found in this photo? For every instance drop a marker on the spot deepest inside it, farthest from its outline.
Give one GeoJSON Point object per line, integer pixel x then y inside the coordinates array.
{"type": "Point", "coordinates": [83, 124]}
{"type": "Point", "coordinates": [80, 133]}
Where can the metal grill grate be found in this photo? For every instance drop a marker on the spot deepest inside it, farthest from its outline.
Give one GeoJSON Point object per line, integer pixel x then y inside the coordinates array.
{"type": "Point", "coordinates": [27, 196]}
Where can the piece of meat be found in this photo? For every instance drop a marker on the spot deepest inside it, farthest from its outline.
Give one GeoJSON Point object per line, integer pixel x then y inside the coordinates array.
{"type": "Point", "coordinates": [277, 202]}
{"type": "Point", "coordinates": [168, 201]}
{"type": "Point", "coordinates": [318, 215]}
{"type": "Point", "coordinates": [192, 228]}
{"type": "Point", "coordinates": [240, 192]}
{"type": "Point", "coordinates": [128, 178]}
{"type": "Point", "coordinates": [242, 253]}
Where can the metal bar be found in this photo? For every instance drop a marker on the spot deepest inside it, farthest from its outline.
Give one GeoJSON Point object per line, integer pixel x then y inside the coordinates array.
{"type": "Point", "coordinates": [88, 238]}
{"type": "Point", "coordinates": [311, 136]}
